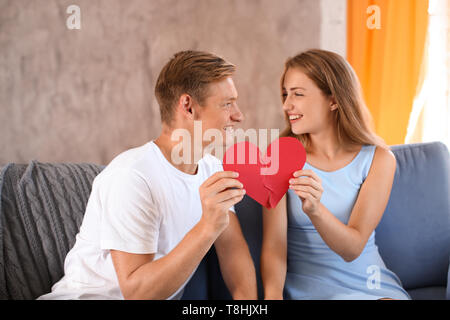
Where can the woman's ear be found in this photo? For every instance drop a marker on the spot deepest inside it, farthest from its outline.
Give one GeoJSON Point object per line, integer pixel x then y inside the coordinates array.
{"type": "Point", "coordinates": [333, 104]}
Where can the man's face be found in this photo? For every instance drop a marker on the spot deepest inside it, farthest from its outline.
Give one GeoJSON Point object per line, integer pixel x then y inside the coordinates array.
{"type": "Point", "coordinates": [220, 110]}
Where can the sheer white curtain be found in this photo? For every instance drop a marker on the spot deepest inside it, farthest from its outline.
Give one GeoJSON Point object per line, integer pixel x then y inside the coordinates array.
{"type": "Point", "coordinates": [430, 116]}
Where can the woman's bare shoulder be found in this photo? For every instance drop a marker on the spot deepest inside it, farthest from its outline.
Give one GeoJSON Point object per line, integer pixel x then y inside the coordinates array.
{"type": "Point", "coordinates": [384, 159]}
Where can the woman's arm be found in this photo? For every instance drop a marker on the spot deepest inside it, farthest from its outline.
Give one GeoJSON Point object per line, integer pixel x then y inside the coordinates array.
{"type": "Point", "coordinates": [274, 250]}
{"type": "Point", "coordinates": [235, 261]}
{"type": "Point", "coordinates": [349, 240]}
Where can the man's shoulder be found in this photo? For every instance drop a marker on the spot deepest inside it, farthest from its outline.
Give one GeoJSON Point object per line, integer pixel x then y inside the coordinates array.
{"type": "Point", "coordinates": [132, 162]}
{"type": "Point", "coordinates": [132, 157]}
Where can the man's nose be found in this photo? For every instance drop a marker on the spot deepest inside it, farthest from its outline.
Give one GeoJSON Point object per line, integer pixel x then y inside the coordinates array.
{"type": "Point", "coordinates": [237, 115]}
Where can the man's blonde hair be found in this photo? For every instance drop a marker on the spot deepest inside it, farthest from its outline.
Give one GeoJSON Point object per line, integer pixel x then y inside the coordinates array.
{"type": "Point", "coordinates": [189, 72]}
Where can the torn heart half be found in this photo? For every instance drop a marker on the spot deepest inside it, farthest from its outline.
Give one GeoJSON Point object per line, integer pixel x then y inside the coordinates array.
{"type": "Point", "coordinates": [266, 178]}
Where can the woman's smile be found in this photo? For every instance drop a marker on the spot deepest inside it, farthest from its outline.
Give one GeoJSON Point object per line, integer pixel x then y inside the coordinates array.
{"type": "Point", "coordinates": [293, 118]}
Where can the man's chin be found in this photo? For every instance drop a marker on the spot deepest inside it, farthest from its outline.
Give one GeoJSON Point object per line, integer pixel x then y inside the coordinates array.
{"type": "Point", "coordinates": [228, 143]}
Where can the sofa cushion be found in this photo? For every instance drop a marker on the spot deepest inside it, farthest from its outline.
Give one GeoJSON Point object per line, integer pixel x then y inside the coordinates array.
{"type": "Point", "coordinates": [428, 293]}
{"type": "Point", "coordinates": [198, 286]}
{"type": "Point", "coordinates": [41, 209]}
{"type": "Point", "coordinates": [414, 233]}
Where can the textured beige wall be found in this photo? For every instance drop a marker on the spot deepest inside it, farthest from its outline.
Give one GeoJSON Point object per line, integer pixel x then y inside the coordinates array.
{"type": "Point", "coordinates": [87, 95]}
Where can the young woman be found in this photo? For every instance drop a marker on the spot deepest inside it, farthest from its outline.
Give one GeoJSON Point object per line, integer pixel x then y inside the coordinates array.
{"type": "Point", "coordinates": [319, 242]}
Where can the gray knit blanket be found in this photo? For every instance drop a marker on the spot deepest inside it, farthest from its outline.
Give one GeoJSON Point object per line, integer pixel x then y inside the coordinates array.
{"type": "Point", "coordinates": [41, 209]}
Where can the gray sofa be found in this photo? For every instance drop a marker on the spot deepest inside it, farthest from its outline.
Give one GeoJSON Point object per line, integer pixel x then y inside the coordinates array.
{"type": "Point", "coordinates": [42, 207]}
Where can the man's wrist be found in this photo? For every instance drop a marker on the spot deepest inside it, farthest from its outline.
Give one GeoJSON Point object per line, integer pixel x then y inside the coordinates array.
{"type": "Point", "coordinates": [207, 231]}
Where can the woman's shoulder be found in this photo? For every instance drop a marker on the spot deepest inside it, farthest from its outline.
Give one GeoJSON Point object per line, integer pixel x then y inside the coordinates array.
{"type": "Point", "coordinates": [384, 154]}
{"type": "Point", "coordinates": [383, 159]}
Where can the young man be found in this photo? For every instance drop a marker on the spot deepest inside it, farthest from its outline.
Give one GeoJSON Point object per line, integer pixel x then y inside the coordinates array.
{"type": "Point", "coordinates": [150, 220]}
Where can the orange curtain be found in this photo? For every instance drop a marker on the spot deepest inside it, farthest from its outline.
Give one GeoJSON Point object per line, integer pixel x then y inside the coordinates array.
{"type": "Point", "coordinates": [387, 59]}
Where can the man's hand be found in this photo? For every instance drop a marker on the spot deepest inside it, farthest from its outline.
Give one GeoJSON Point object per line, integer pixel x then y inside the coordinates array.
{"type": "Point", "coordinates": [218, 194]}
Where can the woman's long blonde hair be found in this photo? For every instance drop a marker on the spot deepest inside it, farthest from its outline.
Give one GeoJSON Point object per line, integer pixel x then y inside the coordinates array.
{"type": "Point", "coordinates": [335, 78]}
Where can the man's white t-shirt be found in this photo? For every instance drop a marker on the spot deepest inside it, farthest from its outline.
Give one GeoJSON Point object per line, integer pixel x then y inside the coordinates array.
{"type": "Point", "coordinates": [139, 203]}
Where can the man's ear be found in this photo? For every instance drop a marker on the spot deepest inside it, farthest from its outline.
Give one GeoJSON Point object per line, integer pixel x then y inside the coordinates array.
{"type": "Point", "coordinates": [185, 103]}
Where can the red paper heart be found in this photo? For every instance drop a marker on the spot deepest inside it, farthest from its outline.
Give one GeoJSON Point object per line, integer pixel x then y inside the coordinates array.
{"type": "Point", "coordinates": [266, 178]}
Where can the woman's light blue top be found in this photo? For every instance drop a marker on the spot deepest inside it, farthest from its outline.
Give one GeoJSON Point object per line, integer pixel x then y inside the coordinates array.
{"type": "Point", "coordinates": [314, 271]}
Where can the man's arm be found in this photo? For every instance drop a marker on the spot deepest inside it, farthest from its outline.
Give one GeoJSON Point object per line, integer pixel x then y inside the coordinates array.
{"type": "Point", "coordinates": [235, 261]}
{"type": "Point", "coordinates": [141, 277]}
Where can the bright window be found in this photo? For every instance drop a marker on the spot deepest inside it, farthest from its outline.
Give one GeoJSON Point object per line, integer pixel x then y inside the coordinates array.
{"type": "Point", "coordinates": [430, 116]}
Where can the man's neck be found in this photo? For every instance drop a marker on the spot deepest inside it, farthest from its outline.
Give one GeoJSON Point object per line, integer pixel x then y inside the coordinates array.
{"type": "Point", "coordinates": [166, 144]}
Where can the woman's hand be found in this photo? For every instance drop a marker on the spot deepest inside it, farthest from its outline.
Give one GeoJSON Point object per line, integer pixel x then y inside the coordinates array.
{"type": "Point", "coordinates": [308, 186]}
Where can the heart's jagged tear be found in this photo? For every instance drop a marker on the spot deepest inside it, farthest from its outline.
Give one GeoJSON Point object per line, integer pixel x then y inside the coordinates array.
{"type": "Point", "coordinates": [266, 178]}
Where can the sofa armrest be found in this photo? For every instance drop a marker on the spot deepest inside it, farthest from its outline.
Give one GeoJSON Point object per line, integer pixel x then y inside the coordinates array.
{"type": "Point", "coordinates": [413, 235]}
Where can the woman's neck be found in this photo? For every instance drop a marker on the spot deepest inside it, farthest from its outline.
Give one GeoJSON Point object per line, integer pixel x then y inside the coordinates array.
{"type": "Point", "coordinates": [325, 144]}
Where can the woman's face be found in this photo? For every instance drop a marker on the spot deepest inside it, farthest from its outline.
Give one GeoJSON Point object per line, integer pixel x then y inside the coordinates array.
{"type": "Point", "coordinates": [308, 109]}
